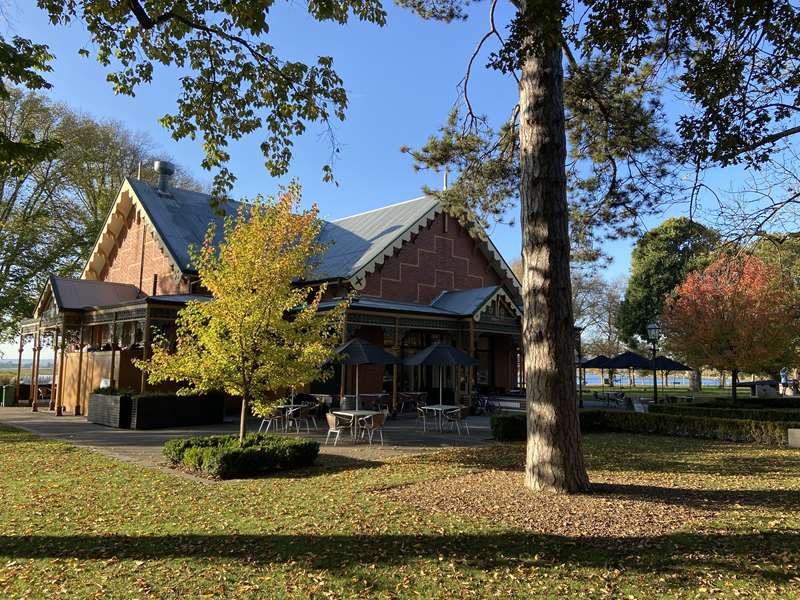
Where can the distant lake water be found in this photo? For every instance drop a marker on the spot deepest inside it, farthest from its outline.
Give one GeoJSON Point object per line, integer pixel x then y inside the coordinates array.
{"type": "Point", "coordinates": [622, 380]}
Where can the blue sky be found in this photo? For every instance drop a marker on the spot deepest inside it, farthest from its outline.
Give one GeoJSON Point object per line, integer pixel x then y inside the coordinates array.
{"type": "Point", "coordinates": [401, 79]}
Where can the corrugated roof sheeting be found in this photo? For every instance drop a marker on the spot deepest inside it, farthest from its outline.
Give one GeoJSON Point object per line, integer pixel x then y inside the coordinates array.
{"type": "Point", "coordinates": [74, 294]}
{"type": "Point", "coordinates": [353, 242]}
{"type": "Point", "coordinates": [181, 218]}
{"type": "Point", "coordinates": [464, 302]}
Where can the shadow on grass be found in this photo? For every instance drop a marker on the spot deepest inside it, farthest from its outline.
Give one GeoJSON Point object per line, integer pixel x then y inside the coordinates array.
{"type": "Point", "coordinates": [710, 499]}
{"type": "Point", "coordinates": [753, 555]}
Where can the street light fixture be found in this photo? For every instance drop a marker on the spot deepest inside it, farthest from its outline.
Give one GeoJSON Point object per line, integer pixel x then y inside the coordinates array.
{"type": "Point", "coordinates": [653, 333]}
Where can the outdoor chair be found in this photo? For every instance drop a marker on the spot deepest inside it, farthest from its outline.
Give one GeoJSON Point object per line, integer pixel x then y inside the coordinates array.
{"type": "Point", "coordinates": [370, 424]}
{"type": "Point", "coordinates": [423, 414]}
{"type": "Point", "coordinates": [457, 418]}
{"type": "Point", "coordinates": [337, 425]}
{"type": "Point", "coordinates": [273, 419]}
{"type": "Point", "coordinates": [313, 412]}
{"type": "Point", "coordinates": [297, 415]}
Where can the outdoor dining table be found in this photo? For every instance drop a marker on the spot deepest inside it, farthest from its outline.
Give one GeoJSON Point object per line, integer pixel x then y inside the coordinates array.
{"type": "Point", "coordinates": [355, 415]}
{"type": "Point", "coordinates": [438, 410]}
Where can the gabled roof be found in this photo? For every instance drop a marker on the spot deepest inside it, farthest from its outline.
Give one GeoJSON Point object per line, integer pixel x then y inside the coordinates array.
{"type": "Point", "coordinates": [465, 302]}
{"type": "Point", "coordinates": [76, 294]}
{"type": "Point", "coordinates": [473, 301]}
{"type": "Point", "coordinates": [355, 241]}
{"type": "Point", "coordinates": [356, 245]}
{"type": "Point", "coordinates": [181, 218]}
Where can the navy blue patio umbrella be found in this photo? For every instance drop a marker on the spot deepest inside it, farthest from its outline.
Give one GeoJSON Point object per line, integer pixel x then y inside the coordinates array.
{"type": "Point", "coordinates": [361, 352]}
{"type": "Point", "coordinates": [441, 355]}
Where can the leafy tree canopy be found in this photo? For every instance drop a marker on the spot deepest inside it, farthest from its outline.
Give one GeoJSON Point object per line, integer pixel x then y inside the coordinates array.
{"type": "Point", "coordinates": [739, 313]}
{"type": "Point", "coordinates": [260, 333]}
{"type": "Point", "coordinates": [662, 258]}
{"type": "Point", "coordinates": [233, 81]}
{"type": "Point", "coordinates": [21, 64]}
{"type": "Point", "coordinates": [52, 210]}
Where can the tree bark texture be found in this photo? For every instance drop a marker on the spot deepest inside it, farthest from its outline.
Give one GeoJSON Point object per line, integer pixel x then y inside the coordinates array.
{"type": "Point", "coordinates": [554, 460]}
{"type": "Point", "coordinates": [734, 381]}
{"type": "Point", "coordinates": [243, 420]}
{"type": "Point", "coordinates": [695, 380]}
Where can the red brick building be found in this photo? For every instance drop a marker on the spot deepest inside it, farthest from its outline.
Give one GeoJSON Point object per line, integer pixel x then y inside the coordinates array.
{"type": "Point", "coordinates": [418, 274]}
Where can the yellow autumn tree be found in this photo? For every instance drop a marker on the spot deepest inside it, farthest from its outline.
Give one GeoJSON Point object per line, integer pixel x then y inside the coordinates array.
{"type": "Point", "coordinates": [261, 332]}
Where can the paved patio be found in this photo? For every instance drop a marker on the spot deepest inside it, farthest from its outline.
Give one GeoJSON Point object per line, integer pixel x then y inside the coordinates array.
{"type": "Point", "coordinates": [401, 436]}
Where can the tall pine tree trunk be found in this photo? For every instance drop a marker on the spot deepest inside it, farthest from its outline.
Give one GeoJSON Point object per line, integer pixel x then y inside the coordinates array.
{"type": "Point", "coordinates": [554, 460]}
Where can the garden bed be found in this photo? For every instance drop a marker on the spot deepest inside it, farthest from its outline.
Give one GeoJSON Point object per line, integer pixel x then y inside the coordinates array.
{"type": "Point", "coordinates": [223, 457]}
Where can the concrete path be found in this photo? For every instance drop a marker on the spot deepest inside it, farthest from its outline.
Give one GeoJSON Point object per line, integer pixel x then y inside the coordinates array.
{"type": "Point", "coordinates": [401, 436]}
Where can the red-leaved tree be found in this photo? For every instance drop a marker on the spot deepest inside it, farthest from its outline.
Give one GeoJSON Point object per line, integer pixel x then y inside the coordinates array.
{"type": "Point", "coordinates": [739, 314]}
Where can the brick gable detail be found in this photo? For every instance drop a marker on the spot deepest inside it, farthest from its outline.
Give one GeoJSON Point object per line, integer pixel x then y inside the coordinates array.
{"type": "Point", "coordinates": [127, 262]}
{"type": "Point", "coordinates": [443, 256]}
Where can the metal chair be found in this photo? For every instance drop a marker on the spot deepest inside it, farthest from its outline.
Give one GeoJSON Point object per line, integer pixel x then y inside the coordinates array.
{"type": "Point", "coordinates": [337, 425]}
{"type": "Point", "coordinates": [370, 424]}
{"type": "Point", "coordinates": [274, 418]}
{"type": "Point", "coordinates": [297, 415]}
{"type": "Point", "coordinates": [422, 414]}
{"type": "Point", "coordinates": [457, 418]}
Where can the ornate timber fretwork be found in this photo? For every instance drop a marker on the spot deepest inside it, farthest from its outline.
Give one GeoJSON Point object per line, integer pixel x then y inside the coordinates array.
{"type": "Point", "coordinates": [498, 306]}
{"type": "Point", "coordinates": [359, 279]}
{"type": "Point", "coordinates": [126, 202]}
{"type": "Point", "coordinates": [505, 326]}
{"type": "Point", "coordinates": [101, 317]}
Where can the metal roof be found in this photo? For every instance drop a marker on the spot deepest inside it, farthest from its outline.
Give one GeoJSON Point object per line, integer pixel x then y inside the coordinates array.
{"type": "Point", "coordinates": [355, 241]}
{"type": "Point", "coordinates": [181, 218]}
{"type": "Point", "coordinates": [368, 303]}
{"type": "Point", "coordinates": [75, 294]}
{"type": "Point", "coordinates": [465, 302]}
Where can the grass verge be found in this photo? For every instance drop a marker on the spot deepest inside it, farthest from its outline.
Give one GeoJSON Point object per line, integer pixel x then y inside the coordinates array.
{"type": "Point", "coordinates": [76, 524]}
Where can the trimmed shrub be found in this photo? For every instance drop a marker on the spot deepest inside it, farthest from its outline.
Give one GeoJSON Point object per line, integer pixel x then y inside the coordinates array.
{"type": "Point", "coordinates": [222, 456]}
{"type": "Point", "coordinates": [755, 414]}
{"type": "Point", "coordinates": [509, 428]}
{"type": "Point", "coordinates": [772, 433]}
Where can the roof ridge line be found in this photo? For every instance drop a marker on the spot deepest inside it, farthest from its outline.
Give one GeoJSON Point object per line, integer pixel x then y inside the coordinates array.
{"type": "Point", "coordinates": [366, 212]}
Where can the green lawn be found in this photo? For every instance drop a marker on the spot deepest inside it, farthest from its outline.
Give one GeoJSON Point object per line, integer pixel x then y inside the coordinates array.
{"type": "Point", "coordinates": [74, 523]}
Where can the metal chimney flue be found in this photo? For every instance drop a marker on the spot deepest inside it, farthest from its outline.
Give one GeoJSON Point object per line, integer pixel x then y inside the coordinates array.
{"type": "Point", "coordinates": [165, 170]}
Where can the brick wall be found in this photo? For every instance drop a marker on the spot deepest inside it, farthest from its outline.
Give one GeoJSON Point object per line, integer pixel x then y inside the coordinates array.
{"type": "Point", "coordinates": [443, 256]}
{"type": "Point", "coordinates": [124, 264]}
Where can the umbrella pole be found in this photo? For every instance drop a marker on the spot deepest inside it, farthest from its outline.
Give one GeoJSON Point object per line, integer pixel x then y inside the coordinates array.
{"type": "Point", "coordinates": [357, 387]}
{"type": "Point", "coordinates": [441, 370]}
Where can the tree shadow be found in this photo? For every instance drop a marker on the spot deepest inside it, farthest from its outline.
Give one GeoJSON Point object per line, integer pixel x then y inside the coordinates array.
{"type": "Point", "coordinates": [743, 554]}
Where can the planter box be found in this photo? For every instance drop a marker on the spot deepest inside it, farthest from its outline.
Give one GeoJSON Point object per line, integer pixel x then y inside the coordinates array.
{"type": "Point", "coordinates": [794, 438]}
{"type": "Point", "coordinates": [158, 411]}
{"type": "Point", "coordinates": [110, 410]}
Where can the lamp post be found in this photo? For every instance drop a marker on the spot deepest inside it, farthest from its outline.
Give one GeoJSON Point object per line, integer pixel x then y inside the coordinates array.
{"type": "Point", "coordinates": [652, 333]}
{"type": "Point", "coordinates": [577, 331]}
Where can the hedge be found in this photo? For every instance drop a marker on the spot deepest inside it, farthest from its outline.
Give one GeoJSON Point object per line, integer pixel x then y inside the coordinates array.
{"type": "Point", "coordinates": [508, 428]}
{"type": "Point", "coordinates": [756, 414]}
{"type": "Point", "coordinates": [224, 457]}
{"type": "Point", "coordinates": [750, 402]}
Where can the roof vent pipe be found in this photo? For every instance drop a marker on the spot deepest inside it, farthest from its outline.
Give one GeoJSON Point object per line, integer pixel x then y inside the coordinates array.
{"type": "Point", "coordinates": [165, 170]}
